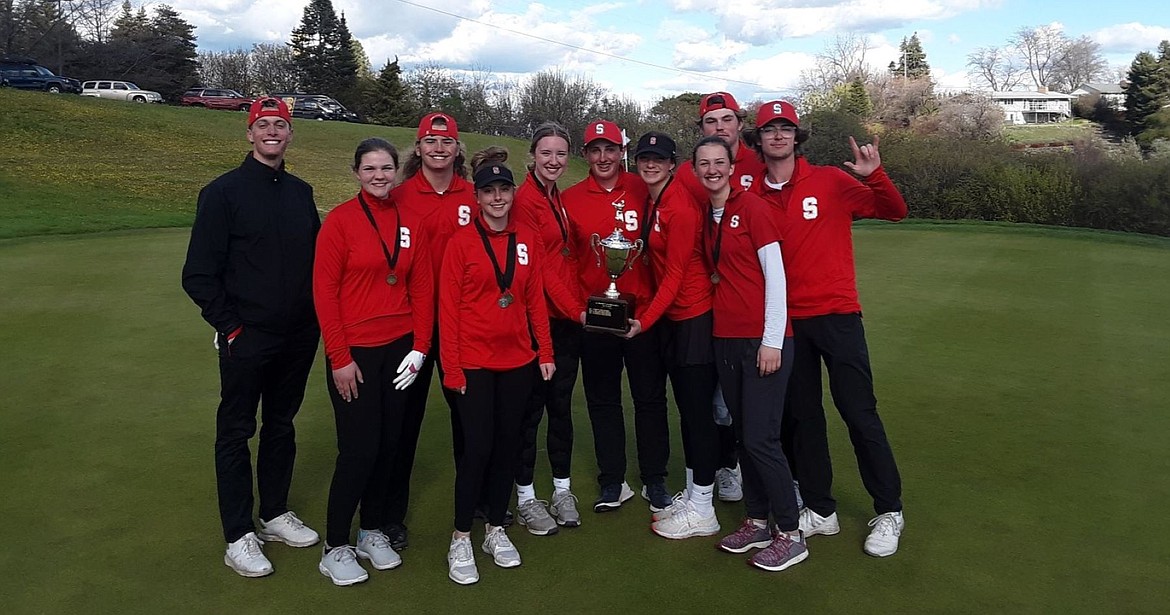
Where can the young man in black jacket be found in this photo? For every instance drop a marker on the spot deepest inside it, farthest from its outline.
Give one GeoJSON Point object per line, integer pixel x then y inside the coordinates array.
{"type": "Point", "coordinates": [249, 267]}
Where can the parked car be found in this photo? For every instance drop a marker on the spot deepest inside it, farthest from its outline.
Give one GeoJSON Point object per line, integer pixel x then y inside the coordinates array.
{"type": "Point", "coordinates": [216, 98]}
{"type": "Point", "coordinates": [119, 90]}
{"type": "Point", "coordinates": [317, 107]}
{"type": "Point", "coordinates": [26, 74]}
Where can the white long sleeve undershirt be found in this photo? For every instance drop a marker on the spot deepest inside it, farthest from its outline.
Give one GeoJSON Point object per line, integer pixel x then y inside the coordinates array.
{"type": "Point", "coordinates": [775, 295]}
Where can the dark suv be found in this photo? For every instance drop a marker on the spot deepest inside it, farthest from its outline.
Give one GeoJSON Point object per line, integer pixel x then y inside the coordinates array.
{"type": "Point", "coordinates": [317, 107]}
{"type": "Point", "coordinates": [216, 98]}
{"type": "Point", "coordinates": [26, 74]}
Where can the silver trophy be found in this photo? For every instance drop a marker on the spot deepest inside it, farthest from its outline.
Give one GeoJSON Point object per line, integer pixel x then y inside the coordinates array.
{"type": "Point", "coordinates": [611, 311]}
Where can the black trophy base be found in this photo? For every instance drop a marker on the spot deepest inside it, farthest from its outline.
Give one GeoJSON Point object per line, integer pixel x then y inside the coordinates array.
{"type": "Point", "coordinates": [605, 315]}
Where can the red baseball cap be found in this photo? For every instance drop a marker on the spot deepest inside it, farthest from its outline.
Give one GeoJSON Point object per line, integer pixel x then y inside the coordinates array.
{"type": "Point", "coordinates": [602, 129]}
{"type": "Point", "coordinates": [776, 110]}
{"type": "Point", "coordinates": [715, 101]}
{"type": "Point", "coordinates": [437, 124]}
{"type": "Point", "coordinates": [268, 106]}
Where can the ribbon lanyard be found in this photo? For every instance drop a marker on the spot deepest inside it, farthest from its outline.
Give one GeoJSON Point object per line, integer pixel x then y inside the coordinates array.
{"type": "Point", "coordinates": [503, 278]}
{"type": "Point", "coordinates": [648, 218]}
{"type": "Point", "coordinates": [558, 213]}
{"type": "Point", "coordinates": [718, 245]}
{"type": "Point", "coordinates": [391, 260]}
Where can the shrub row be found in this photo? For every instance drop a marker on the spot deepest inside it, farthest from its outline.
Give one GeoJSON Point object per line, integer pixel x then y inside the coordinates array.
{"type": "Point", "coordinates": [1087, 185]}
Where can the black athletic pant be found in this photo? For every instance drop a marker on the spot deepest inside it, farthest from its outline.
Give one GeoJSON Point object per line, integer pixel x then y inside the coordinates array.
{"type": "Point", "coordinates": [728, 456]}
{"type": "Point", "coordinates": [491, 413]}
{"type": "Point", "coordinates": [416, 407]}
{"type": "Point", "coordinates": [757, 407]}
{"type": "Point", "coordinates": [838, 340]}
{"type": "Point", "coordinates": [368, 430]}
{"type": "Point", "coordinates": [557, 396]}
{"type": "Point", "coordinates": [268, 370]}
{"type": "Point", "coordinates": [687, 347]}
{"type": "Point", "coordinates": [603, 355]}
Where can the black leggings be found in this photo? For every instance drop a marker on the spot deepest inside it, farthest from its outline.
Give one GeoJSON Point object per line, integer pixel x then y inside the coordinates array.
{"type": "Point", "coordinates": [491, 413]}
{"type": "Point", "coordinates": [557, 396]}
{"type": "Point", "coordinates": [687, 349]}
{"type": "Point", "coordinates": [757, 407]}
{"type": "Point", "coordinates": [368, 432]}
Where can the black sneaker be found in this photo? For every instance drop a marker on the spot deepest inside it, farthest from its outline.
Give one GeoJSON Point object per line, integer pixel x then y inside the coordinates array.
{"type": "Point", "coordinates": [656, 494]}
{"type": "Point", "coordinates": [612, 497]}
{"type": "Point", "coordinates": [396, 534]}
{"type": "Point", "coordinates": [481, 514]}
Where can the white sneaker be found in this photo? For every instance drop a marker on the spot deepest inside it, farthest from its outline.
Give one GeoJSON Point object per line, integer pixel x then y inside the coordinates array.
{"type": "Point", "coordinates": [687, 522]}
{"type": "Point", "coordinates": [289, 529]}
{"type": "Point", "coordinates": [497, 544]}
{"type": "Point", "coordinates": [729, 483]}
{"type": "Point", "coordinates": [812, 524]}
{"type": "Point", "coordinates": [246, 557]}
{"type": "Point", "coordinates": [375, 546]}
{"type": "Point", "coordinates": [341, 565]}
{"type": "Point", "coordinates": [461, 561]}
{"type": "Point", "coordinates": [676, 503]}
{"type": "Point", "coordinates": [883, 538]}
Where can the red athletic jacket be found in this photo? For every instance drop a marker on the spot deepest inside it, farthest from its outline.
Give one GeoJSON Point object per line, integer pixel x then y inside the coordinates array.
{"type": "Point", "coordinates": [591, 208]}
{"type": "Point", "coordinates": [682, 281]}
{"type": "Point", "coordinates": [474, 331]}
{"type": "Point", "coordinates": [442, 213]}
{"type": "Point", "coordinates": [815, 211]}
{"type": "Point", "coordinates": [747, 226]}
{"type": "Point", "coordinates": [548, 217]}
{"type": "Point", "coordinates": [355, 304]}
{"type": "Point", "coordinates": [748, 167]}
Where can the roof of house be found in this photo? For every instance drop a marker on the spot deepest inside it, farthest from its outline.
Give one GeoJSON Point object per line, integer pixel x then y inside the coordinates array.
{"type": "Point", "coordinates": [1102, 88]}
{"type": "Point", "coordinates": [1031, 96]}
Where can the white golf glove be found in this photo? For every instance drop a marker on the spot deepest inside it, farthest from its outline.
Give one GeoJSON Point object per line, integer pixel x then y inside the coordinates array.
{"type": "Point", "coordinates": [408, 369]}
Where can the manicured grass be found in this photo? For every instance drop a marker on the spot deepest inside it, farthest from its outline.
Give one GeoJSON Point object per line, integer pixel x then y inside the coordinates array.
{"type": "Point", "coordinates": [70, 164]}
{"type": "Point", "coordinates": [1058, 132]}
{"type": "Point", "coordinates": [1022, 376]}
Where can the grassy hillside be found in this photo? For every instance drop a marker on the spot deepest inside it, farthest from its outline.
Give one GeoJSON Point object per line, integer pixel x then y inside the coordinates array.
{"type": "Point", "coordinates": [70, 164]}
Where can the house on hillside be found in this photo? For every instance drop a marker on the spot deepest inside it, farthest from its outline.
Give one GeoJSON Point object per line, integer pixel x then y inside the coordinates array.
{"type": "Point", "coordinates": [1112, 93]}
{"type": "Point", "coordinates": [1034, 107]}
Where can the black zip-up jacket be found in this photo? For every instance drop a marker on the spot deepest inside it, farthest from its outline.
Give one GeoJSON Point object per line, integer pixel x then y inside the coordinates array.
{"type": "Point", "coordinates": [250, 260]}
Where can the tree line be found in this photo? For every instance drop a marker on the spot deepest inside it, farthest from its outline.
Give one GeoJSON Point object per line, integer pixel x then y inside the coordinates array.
{"type": "Point", "coordinates": [98, 39]}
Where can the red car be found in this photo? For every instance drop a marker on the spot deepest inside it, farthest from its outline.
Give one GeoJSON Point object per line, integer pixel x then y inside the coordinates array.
{"type": "Point", "coordinates": [213, 98]}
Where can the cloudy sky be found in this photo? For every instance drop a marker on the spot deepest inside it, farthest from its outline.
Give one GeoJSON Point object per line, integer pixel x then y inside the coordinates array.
{"type": "Point", "coordinates": [650, 48]}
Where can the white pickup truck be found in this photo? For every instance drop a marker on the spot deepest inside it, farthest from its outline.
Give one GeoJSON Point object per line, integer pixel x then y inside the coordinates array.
{"type": "Point", "coordinates": [119, 90]}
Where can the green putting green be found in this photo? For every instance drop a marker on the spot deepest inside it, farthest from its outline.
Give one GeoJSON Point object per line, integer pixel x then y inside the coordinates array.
{"type": "Point", "coordinates": [1022, 374]}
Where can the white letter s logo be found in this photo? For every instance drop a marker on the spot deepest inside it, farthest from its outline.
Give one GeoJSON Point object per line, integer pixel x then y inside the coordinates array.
{"type": "Point", "coordinates": [464, 215]}
{"type": "Point", "coordinates": [810, 207]}
{"type": "Point", "coordinates": [734, 221]}
{"type": "Point", "coordinates": [404, 237]}
{"type": "Point", "coordinates": [522, 253]}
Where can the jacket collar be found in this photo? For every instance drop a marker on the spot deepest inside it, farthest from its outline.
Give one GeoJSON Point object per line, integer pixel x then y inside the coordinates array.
{"type": "Point", "coordinates": [259, 169]}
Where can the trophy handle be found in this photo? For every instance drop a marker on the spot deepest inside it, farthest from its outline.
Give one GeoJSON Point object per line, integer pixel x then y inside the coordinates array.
{"type": "Point", "coordinates": [635, 252]}
{"type": "Point", "coordinates": [595, 246]}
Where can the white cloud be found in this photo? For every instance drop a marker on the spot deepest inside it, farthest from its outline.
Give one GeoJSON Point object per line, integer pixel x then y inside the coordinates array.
{"type": "Point", "coordinates": [680, 31]}
{"type": "Point", "coordinates": [1130, 37]}
{"type": "Point", "coordinates": [707, 55]}
{"type": "Point", "coordinates": [764, 22]}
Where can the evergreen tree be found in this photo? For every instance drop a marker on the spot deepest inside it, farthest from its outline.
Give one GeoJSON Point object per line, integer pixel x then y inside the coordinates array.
{"type": "Point", "coordinates": [171, 53]}
{"type": "Point", "coordinates": [855, 100]}
{"type": "Point", "coordinates": [322, 48]}
{"type": "Point", "coordinates": [1147, 90]}
{"type": "Point", "coordinates": [912, 61]}
{"type": "Point", "coordinates": [389, 101]}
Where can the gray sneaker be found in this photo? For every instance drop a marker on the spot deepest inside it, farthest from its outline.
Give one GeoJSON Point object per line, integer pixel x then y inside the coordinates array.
{"type": "Point", "coordinates": [534, 516]}
{"type": "Point", "coordinates": [461, 562]}
{"type": "Point", "coordinates": [340, 564]}
{"type": "Point", "coordinates": [500, 547]}
{"type": "Point", "coordinates": [563, 508]}
{"type": "Point", "coordinates": [375, 546]}
{"type": "Point", "coordinates": [784, 551]}
{"type": "Point", "coordinates": [729, 484]}
{"type": "Point", "coordinates": [749, 536]}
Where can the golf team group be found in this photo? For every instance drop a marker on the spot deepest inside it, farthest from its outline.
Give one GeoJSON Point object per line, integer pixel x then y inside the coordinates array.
{"type": "Point", "coordinates": [736, 283]}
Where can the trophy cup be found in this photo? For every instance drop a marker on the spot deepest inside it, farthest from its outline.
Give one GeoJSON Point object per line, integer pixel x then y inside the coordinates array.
{"type": "Point", "coordinates": [610, 312]}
